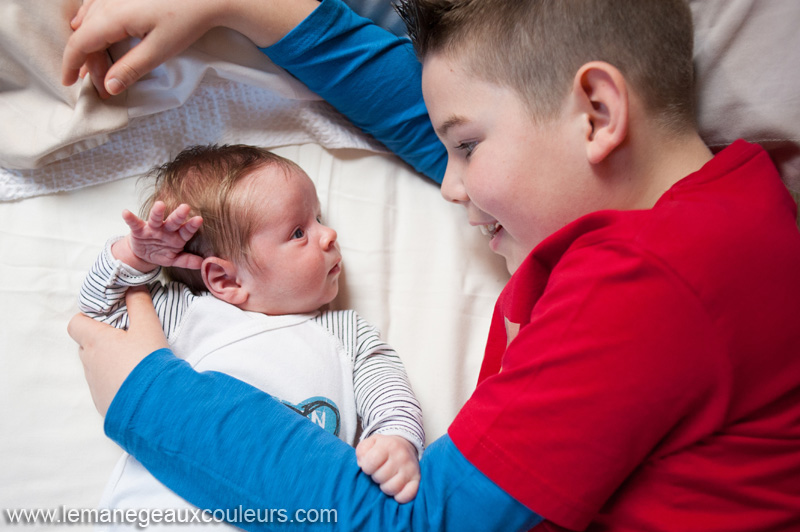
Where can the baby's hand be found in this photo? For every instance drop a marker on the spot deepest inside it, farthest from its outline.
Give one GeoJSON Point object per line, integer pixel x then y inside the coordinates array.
{"type": "Point", "coordinates": [159, 241]}
{"type": "Point", "coordinates": [392, 463]}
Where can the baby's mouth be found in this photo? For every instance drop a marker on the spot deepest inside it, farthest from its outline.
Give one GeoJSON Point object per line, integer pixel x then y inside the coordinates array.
{"type": "Point", "coordinates": [490, 229]}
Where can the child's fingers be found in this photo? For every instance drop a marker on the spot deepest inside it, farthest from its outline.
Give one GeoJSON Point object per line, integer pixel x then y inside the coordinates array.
{"type": "Point", "coordinates": [369, 457]}
{"type": "Point", "coordinates": [188, 261]}
{"type": "Point", "coordinates": [97, 64]}
{"type": "Point", "coordinates": [364, 446]}
{"type": "Point", "coordinates": [192, 225]}
{"type": "Point", "coordinates": [134, 222]}
{"type": "Point", "coordinates": [76, 21]}
{"type": "Point", "coordinates": [398, 480]}
{"type": "Point", "coordinates": [156, 217]}
{"type": "Point", "coordinates": [391, 482]}
{"type": "Point", "coordinates": [408, 492]}
{"type": "Point", "coordinates": [177, 218]}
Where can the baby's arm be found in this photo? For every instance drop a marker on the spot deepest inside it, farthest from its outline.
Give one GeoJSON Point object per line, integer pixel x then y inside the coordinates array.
{"type": "Point", "coordinates": [391, 416]}
{"type": "Point", "coordinates": [133, 261]}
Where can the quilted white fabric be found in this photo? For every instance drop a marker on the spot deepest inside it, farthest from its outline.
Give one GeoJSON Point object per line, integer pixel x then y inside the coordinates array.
{"type": "Point", "coordinates": [219, 111]}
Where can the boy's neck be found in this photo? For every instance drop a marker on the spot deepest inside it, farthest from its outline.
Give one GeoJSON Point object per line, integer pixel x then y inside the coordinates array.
{"type": "Point", "coordinates": [655, 162]}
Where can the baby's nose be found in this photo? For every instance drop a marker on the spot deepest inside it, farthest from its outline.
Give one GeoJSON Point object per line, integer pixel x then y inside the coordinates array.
{"type": "Point", "coordinates": [328, 237]}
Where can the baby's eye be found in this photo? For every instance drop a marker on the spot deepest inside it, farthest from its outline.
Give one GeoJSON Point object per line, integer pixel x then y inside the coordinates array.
{"type": "Point", "coordinates": [319, 218]}
{"type": "Point", "coordinates": [298, 233]}
{"type": "Point", "coordinates": [467, 147]}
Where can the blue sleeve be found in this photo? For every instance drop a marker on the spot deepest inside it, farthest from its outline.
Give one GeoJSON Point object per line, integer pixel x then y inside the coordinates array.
{"type": "Point", "coordinates": [223, 444]}
{"type": "Point", "coordinates": [369, 75]}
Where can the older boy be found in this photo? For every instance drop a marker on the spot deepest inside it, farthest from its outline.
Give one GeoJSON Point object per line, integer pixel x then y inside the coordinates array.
{"type": "Point", "coordinates": [641, 370]}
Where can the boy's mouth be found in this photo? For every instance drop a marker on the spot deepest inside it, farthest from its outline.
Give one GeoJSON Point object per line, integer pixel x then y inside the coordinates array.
{"type": "Point", "coordinates": [490, 229]}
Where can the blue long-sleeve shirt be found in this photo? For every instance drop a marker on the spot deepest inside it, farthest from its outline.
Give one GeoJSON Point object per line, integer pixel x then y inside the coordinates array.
{"type": "Point", "coordinates": [370, 75]}
{"type": "Point", "coordinates": [225, 445]}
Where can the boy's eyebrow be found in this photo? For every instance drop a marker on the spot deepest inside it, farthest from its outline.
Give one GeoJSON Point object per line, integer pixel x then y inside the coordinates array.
{"type": "Point", "coordinates": [453, 121]}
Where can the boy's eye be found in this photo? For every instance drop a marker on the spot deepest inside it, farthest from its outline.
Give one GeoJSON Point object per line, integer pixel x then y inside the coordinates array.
{"type": "Point", "coordinates": [467, 147]}
{"type": "Point", "coordinates": [298, 233]}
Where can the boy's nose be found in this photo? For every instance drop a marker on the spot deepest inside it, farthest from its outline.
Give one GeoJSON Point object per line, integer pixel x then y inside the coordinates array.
{"type": "Point", "coordinates": [453, 187]}
{"type": "Point", "coordinates": [328, 237]}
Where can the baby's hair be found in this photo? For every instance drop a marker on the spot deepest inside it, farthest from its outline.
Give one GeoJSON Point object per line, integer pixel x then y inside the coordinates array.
{"type": "Point", "coordinates": [206, 178]}
{"type": "Point", "coordinates": [535, 47]}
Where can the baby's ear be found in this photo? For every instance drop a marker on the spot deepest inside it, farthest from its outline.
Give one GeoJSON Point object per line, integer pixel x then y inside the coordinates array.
{"type": "Point", "coordinates": [221, 279]}
{"type": "Point", "coordinates": [602, 95]}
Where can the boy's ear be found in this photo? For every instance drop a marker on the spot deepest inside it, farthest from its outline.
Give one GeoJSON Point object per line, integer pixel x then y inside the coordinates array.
{"type": "Point", "coordinates": [602, 95]}
{"type": "Point", "coordinates": [221, 278]}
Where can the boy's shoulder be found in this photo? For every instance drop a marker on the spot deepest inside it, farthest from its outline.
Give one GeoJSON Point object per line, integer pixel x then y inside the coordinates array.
{"type": "Point", "coordinates": [722, 228]}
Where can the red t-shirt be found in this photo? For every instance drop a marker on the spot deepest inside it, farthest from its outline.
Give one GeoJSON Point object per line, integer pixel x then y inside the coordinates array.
{"type": "Point", "coordinates": [642, 371]}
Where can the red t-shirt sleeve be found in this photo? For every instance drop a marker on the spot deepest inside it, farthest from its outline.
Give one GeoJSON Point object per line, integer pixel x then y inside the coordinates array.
{"type": "Point", "coordinates": [617, 365]}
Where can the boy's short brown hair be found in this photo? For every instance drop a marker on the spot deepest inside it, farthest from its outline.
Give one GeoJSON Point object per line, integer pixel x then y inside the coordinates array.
{"type": "Point", "coordinates": [206, 178]}
{"type": "Point", "coordinates": [536, 47]}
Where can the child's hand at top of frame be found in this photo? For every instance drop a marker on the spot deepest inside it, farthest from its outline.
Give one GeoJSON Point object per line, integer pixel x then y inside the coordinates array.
{"type": "Point", "coordinates": [160, 240]}
{"type": "Point", "coordinates": [165, 30]}
{"type": "Point", "coordinates": [392, 463]}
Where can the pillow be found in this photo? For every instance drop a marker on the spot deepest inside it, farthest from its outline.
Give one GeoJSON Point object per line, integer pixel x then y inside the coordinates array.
{"type": "Point", "coordinates": [747, 58]}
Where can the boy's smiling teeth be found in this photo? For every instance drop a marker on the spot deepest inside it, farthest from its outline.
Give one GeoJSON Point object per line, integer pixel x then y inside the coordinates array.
{"type": "Point", "coordinates": [490, 229]}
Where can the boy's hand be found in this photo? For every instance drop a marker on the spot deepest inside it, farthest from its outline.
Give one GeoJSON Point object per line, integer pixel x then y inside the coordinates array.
{"type": "Point", "coordinates": [159, 241]}
{"type": "Point", "coordinates": [109, 354]}
{"type": "Point", "coordinates": [392, 463]}
{"type": "Point", "coordinates": [166, 28]}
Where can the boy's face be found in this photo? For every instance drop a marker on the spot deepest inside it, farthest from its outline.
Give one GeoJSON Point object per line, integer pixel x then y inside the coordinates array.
{"type": "Point", "coordinates": [519, 180]}
{"type": "Point", "coordinates": [294, 261]}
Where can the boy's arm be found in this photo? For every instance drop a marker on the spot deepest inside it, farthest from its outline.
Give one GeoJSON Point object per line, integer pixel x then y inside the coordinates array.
{"type": "Point", "coordinates": [370, 75]}
{"type": "Point", "coordinates": [246, 466]}
{"type": "Point", "coordinates": [367, 73]}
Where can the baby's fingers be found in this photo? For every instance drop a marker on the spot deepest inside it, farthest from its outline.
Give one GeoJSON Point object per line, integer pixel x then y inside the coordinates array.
{"type": "Point", "coordinates": [368, 457]}
{"type": "Point", "coordinates": [398, 480]}
{"type": "Point", "coordinates": [156, 217]}
{"type": "Point", "coordinates": [188, 261]}
{"type": "Point", "coordinates": [191, 226]}
{"type": "Point", "coordinates": [408, 492]}
{"type": "Point", "coordinates": [134, 222]}
{"type": "Point", "coordinates": [178, 218]}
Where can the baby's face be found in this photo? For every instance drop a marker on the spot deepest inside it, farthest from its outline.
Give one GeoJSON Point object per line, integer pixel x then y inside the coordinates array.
{"type": "Point", "coordinates": [295, 262]}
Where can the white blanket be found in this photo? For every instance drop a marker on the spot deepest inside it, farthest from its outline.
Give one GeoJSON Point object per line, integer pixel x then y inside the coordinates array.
{"type": "Point", "coordinates": [221, 90]}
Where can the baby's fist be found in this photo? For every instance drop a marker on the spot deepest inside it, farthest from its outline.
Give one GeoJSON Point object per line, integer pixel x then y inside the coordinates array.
{"type": "Point", "coordinates": [392, 463]}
